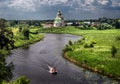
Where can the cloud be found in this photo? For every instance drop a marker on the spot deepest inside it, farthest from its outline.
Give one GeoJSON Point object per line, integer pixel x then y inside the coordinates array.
{"type": "Point", "coordinates": [47, 8]}
{"type": "Point", "coordinates": [25, 5]}
{"type": "Point", "coordinates": [103, 2]}
{"type": "Point", "coordinates": [116, 3]}
{"type": "Point", "coordinates": [34, 5]}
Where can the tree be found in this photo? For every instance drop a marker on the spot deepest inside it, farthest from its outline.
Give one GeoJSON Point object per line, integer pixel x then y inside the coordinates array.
{"type": "Point", "coordinates": [2, 24]}
{"type": "Point", "coordinates": [20, 28]}
{"type": "Point", "coordinates": [25, 33]}
{"type": "Point", "coordinates": [104, 26]}
{"type": "Point", "coordinates": [6, 36]}
{"type": "Point", "coordinates": [113, 51]}
{"type": "Point", "coordinates": [117, 23]}
{"type": "Point", "coordinates": [5, 70]}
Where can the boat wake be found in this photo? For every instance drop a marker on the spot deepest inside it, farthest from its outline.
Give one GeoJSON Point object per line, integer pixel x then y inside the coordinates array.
{"type": "Point", "coordinates": [43, 64]}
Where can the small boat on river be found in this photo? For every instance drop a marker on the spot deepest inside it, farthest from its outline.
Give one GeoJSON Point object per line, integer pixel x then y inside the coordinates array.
{"type": "Point", "coordinates": [52, 70]}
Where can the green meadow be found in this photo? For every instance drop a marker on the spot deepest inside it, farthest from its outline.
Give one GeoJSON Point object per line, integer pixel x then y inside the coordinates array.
{"type": "Point", "coordinates": [98, 50]}
{"type": "Point", "coordinates": [21, 42]}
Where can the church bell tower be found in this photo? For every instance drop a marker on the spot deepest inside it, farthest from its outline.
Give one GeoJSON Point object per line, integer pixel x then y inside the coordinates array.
{"type": "Point", "coordinates": [59, 20]}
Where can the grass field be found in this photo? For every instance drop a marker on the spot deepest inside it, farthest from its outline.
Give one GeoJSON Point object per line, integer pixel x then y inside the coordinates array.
{"type": "Point", "coordinates": [19, 38]}
{"type": "Point", "coordinates": [98, 57]}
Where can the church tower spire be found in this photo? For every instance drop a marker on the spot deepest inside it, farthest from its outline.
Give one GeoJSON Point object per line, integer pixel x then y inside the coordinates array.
{"type": "Point", "coordinates": [59, 21]}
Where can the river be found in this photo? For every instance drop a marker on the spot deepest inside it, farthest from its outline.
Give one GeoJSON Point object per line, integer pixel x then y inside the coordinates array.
{"type": "Point", "coordinates": [32, 63]}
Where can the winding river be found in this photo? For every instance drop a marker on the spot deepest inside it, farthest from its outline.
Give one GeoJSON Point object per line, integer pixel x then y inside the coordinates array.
{"type": "Point", "coordinates": [32, 63]}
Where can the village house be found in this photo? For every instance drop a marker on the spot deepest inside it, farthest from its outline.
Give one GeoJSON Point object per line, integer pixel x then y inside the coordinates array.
{"type": "Point", "coordinates": [48, 25]}
{"type": "Point", "coordinates": [95, 24]}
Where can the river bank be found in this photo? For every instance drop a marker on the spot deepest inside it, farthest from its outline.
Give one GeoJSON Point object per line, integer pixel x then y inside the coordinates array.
{"type": "Point", "coordinates": [19, 40]}
{"type": "Point", "coordinates": [89, 68]}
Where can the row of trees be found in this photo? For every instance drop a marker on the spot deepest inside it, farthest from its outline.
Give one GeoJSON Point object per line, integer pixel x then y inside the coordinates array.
{"type": "Point", "coordinates": [6, 36]}
{"type": "Point", "coordinates": [12, 23]}
{"type": "Point", "coordinates": [100, 24]}
{"type": "Point", "coordinates": [6, 43]}
{"type": "Point", "coordinates": [113, 22]}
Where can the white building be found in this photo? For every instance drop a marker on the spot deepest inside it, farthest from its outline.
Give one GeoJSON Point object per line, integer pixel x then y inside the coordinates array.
{"type": "Point", "coordinates": [59, 20]}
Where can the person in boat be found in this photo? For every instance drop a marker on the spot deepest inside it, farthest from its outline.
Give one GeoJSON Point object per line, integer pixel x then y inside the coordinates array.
{"type": "Point", "coordinates": [52, 70]}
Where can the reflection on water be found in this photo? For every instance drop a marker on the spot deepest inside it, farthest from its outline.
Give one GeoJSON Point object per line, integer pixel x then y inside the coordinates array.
{"type": "Point", "coordinates": [32, 62]}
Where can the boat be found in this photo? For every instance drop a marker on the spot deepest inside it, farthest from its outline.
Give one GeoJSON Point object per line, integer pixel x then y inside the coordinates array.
{"type": "Point", "coordinates": [52, 70]}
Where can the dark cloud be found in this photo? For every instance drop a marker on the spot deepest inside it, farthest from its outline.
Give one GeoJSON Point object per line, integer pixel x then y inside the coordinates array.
{"type": "Point", "coordinates": [71, 9]}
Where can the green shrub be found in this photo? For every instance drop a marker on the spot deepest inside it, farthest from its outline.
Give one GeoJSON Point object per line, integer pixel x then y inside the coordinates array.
{"type": "Point", "coordinates": [20, 28]}
{"type": "Point", "coordinates": [113, 51]}
{"type": "Point", "coordinates": [3, 52]}
{"type": "Point", "coordinates": [91, 45]}
{"type": "Point", "coordinates": [93, 42]}
{"type": "Point", "coordinates": [67, 45]}
{"type": "Point", "coordinates": [22, 80]}
{"type": "Point", "coordinates": [79, 41]}
{"type": "Point", "coordinates": [88, 45]}
{"type": "Point", "coordinates": [67, 49]}
{"type": "Point", "coordinates": [70, 42]}
{"type": "Point", "coordinates": [25, 33]}
{"type": "Point", "coordinates": [104, 26]}
{"type": "Point", "coordinates": [117, 38]}
{"type": "Point", "coordinates": [83, 38]}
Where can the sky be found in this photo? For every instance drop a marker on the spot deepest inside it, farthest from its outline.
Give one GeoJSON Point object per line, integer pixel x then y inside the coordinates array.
{"type": "Point", "coordinates": [47, 9]}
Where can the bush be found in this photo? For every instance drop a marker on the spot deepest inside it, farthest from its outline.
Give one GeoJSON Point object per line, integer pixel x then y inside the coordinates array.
{"type": "Point", "coordinates": [104, 26]}
{"type": "Point", "coordinates": [22, 80]}
{"type": "Point", "coordinates": [25, 33]}
{"type": "Point", "coordinates": [83, 38]}
{"type": "Point", "coordinates": [88, 45]}
{"type": "Point", "coordinates": [93, 42]}
{"type": "Point", "coordinates": [85, 45]}
{"type": "Point", "coordinates": [113, 51]}
{"type": "Point", "coordinates": [86, 27]}
{"type": "Point", "coordinates": [70, 42]}
{"type": "Point", "coordinates": [67, 49]}
{"type": "Point", "coordinates": [20, 28]}
{"type": "Point", "coordinates": [117, 38]}
{"type": "Point", "coordinates": [91, 45]}
{"type": "Point", "coordinates": [79, 41]}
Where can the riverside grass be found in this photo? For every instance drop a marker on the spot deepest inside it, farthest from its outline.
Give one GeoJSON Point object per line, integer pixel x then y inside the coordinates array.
{"type": "Point", "coordinates": [19, 38]}
{"type": "Point", "coordinates": [99, 57]}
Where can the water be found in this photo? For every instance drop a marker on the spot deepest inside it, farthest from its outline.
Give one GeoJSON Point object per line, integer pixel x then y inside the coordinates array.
{"type": "Point", "coordinates": [32, 63]}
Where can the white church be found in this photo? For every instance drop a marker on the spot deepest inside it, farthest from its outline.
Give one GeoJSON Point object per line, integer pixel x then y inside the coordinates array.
{"type": "Point", "coordinates": [59, 20]}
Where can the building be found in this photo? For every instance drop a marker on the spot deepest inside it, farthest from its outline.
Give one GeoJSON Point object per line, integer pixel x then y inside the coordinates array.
{"type": "Point", "coordinates": [95, 24]}
{"type": "Point", "coordinates": [59, 20]}
{"type": "Point", "coordinates": [48, 25]}
{"type": "Point", "coordinates": [72, 23]}
{"type": "Point", "coordinates": [87, 22]}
